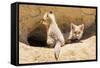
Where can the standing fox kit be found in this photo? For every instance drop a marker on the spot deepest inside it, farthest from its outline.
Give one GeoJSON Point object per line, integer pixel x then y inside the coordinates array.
{"type": "Point", "coordinates": [76, 32]}
{"type": "Point", "coordinates": [54, 36]}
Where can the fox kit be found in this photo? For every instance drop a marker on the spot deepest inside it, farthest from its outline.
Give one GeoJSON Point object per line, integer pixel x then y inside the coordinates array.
{"type": "Point", "coordinates": [76, 32]}
{"type": "Point", "coordinates": [54, 36]}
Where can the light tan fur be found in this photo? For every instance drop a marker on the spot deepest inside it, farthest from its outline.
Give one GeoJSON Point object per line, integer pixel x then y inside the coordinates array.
{"type": "Point", "coordinates": [54, 36]}
{"type": "Point", "coordinates": [76, 31]}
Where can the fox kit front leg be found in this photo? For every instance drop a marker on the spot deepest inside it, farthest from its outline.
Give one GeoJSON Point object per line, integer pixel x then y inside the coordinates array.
{"type": "Point", "coordinates": [50, 41]}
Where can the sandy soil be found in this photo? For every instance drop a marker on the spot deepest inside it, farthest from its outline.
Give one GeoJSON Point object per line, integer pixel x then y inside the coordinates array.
{"type": "Point", "coordinates": [84, 50]}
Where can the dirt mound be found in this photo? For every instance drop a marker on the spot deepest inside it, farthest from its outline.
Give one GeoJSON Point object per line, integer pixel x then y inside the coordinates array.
{"type": "Point", "coordinates": [84, 50]}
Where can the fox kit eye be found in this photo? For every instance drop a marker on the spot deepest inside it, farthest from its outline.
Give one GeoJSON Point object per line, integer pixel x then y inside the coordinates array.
{"type": "Point", "coordinates": [75, 32]}
{"type": "Point", "coordinates": [78, 32]}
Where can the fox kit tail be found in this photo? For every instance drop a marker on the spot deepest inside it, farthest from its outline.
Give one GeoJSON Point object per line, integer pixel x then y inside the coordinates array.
{"type": "Point", "coordinates": [57, 50]}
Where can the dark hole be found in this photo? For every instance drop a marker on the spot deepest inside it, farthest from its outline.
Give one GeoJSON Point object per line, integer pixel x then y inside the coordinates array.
{"type": "Point", "coordinates": [38, 37]}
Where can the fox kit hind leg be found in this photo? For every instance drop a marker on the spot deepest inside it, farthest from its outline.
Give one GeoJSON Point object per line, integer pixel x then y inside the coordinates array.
{"type": "Point", "coordinates": [57, 50]}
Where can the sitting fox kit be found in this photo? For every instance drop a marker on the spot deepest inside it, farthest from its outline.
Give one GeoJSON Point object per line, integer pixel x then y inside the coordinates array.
{"type": "Point", "coordinates": [76, 32]}
{"type": "Point", "coordinates": [55, 37]}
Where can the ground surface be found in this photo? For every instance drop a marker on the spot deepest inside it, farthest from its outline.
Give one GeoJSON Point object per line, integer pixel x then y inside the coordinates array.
{"type": "Point", "coordinates": [84, 50]}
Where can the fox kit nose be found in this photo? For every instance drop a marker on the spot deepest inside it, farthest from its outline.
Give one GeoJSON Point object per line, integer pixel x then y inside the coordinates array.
{"type": "Point", "coordinates": [50, 12]}
{"type": "Point", "coordinates": [76, 35]}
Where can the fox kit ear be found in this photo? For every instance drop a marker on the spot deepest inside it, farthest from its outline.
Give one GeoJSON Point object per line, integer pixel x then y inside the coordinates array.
{"type": "Point", "coordinates": [72, 26]}
{"type": "Point", "coordinates": [82, 27]}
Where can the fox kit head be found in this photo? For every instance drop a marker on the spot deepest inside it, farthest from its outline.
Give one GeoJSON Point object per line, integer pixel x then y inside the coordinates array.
{"type": "Point", "coordinates": [47, 18]}
{"type": "Point", "coordinates": [77, 31]}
